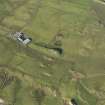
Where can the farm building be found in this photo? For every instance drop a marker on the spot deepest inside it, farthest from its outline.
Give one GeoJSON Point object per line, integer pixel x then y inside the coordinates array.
{"type": "Point", "coordinates": [21, 37]}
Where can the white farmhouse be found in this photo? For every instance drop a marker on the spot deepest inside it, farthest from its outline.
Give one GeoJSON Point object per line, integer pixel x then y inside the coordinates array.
{"type": "Point", "coordinates": [21, 37]}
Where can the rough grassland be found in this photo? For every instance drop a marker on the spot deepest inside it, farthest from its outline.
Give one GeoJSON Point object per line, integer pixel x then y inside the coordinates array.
{"type": "Point", "coordinates": [41, 76]}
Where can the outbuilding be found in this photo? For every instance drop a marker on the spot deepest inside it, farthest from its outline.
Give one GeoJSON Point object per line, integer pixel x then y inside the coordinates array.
{"type": "Point", "coordinates": [23, 38]}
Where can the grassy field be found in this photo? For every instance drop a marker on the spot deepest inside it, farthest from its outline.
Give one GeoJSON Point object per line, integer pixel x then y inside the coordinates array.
{"type": "Point", "coordinates": [35, 75]}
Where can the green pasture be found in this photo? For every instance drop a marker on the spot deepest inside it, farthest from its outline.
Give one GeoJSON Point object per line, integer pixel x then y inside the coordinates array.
{"type": "Point", "coordinates": [78, 73]}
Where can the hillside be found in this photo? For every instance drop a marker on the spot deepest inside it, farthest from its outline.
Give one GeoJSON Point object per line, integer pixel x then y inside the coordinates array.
{"type": "Point", "coordinates": [38, 74]}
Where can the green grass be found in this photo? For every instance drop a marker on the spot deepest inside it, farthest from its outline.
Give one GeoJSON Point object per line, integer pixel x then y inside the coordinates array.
{"type": "Point", "coordinates": [37, 67]}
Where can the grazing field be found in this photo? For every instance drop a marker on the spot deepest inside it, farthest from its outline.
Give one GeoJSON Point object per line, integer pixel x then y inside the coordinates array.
{"type": "Point", "coordinates": [66, 58]}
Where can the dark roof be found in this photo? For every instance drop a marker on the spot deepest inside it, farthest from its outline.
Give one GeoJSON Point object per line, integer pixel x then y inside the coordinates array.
{"type": "Point", "coordinates": [22, 37]}
{"type": "Point", "coordinates": [30, 39]}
